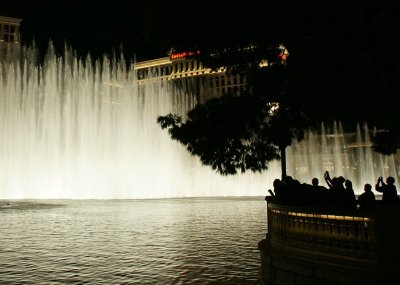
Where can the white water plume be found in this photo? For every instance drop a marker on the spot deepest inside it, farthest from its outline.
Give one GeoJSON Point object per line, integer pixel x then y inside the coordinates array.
{"type": "Point", "coordinates": [71, 129]}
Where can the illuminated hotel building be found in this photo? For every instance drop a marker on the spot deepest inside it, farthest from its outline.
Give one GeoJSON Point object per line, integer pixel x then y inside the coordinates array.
{"type": "Point", "coordinates": [9, 37]}
{"type": "Point", "coordinates": [181, 68]}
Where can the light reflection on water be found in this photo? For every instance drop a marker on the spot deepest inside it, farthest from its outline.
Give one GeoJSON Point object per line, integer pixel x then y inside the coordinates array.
{"type": "Point", "coordinates": [169, 241]}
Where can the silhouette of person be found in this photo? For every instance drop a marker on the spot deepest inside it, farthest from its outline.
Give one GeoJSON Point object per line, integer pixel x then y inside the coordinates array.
{"type": "Point", "coordinates": [328, 179]}
{"type": "Point", "coordinates": [277, 195]}
{"type": "Point", "coordinates": [336, 189]}
{"type": "Point", "coordinates": [320, 193]}
{"type": "Point", "coordinates": [350, 201]}
{"type": "Point", "coordinates": [388, 189]}
{"type": "Point", "coordinates": [335, 181]}
{"type": "Point", "coordinates": [279, 191]}
{"type": "Point", "coordinates": [295, 191]}
{"type": "Point", "coordinates": [315, 182]}
{"type": "Point", "coordinates": [366, 199]}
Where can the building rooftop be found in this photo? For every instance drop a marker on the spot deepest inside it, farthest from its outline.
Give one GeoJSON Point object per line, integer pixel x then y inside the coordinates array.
{"type": "Point", "coordinates": [9, 20]}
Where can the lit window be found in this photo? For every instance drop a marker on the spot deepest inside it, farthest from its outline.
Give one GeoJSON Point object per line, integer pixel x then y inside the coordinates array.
{"type": "Point", "coordinates": [222, 80]}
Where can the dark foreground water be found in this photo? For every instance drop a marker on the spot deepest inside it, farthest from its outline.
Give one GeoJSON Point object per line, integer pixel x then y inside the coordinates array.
{"type": "Point", "coordinates": [169, 241]}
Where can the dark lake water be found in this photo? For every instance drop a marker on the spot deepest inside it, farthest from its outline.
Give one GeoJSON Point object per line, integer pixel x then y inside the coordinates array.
{"type": "Point", "coordinates": [167, 241]}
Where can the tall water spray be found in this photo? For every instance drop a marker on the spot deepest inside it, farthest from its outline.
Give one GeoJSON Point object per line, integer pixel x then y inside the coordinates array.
{"type": "Point", "coordinates": [71, 129]}
{"type": "Point", "coordinates": [342, 154]}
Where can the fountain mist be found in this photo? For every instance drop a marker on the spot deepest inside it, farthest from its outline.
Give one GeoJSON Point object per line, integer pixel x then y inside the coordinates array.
{"type": "Point", "coordinates": [70, 129]}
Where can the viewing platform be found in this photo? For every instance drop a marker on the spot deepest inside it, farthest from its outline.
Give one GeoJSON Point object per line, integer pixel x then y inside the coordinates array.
{"type": "Point", "coordinates": [310, 245]}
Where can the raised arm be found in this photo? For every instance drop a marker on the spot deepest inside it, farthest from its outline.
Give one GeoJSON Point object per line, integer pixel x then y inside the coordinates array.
{"type": "Point", "coordinates": [379, 184]}
{"type": "Point", "coordinates": [328, 179]}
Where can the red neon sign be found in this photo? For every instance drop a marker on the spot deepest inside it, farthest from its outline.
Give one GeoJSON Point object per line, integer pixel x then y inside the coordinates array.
{"type": "Point", "coordinates": [184, 54]}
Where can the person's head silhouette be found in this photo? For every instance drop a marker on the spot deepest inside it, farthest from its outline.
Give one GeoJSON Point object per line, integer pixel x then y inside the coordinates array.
{"type": "Point", "coordinates": [390, 180]}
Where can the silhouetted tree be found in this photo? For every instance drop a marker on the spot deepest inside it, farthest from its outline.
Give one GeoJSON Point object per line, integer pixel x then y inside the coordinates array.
{"type": "Point", "coordinates": [337, 71]}
{"type": "Point", "coordinates": [243, 132]}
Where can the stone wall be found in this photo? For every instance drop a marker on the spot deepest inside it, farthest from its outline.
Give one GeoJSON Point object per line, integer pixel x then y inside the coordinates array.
{"type": "Point", "coordinates": [292, 267]}
{"type": "Point", "coordinates": [308, 246]}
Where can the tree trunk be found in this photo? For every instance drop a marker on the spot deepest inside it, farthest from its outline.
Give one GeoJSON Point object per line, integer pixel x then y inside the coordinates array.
{"type": "Point", "coordinates": [283, 161]}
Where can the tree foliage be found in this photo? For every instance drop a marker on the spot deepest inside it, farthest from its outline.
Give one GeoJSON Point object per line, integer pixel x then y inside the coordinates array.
{"type": "Point", "coordinates": [235, 133]}
{"type": "Point", "coordinates": [225, 133]}
{"type": "Point", "coordinates": [341, 71]}
{"type": "Point", "coordinates": [232, 133]}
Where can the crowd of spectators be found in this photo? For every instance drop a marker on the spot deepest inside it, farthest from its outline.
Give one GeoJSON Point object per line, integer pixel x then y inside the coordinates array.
{"type": "Point", "coordinates": [338, 193]}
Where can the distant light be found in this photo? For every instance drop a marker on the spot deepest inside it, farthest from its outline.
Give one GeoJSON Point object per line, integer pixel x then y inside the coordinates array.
{"type": "Point", "coordinates": [184, 54]}
{"type": "Point", "coordinates": [273, 108]}
{"type": "Point", "coordinates": [284, 53]}
{"type": "Point", "coordinates": [263, 63]}
{"type": "Point", "coordinates": [113, 84]}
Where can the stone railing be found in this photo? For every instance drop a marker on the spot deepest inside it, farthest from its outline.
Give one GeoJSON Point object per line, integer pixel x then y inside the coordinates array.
{"type": "Point", "coordinates": [311, 245]}
{"type": "Point", "coordinates": [321, 230]}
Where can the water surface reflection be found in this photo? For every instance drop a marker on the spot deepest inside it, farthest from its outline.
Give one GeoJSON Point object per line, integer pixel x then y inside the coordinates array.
{"type": "Point", "coordinates": [166, 241]}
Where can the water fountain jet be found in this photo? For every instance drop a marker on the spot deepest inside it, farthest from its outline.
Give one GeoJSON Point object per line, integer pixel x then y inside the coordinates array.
{"type": "Point", "coordinates": [73, 130]}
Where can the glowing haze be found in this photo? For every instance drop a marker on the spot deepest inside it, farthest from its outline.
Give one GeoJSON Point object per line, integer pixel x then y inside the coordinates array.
{"type": "Point", "coordinates": [70, 129]}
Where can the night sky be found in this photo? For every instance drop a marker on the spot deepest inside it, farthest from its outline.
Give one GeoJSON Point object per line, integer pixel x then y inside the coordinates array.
{"type": "Point", "coordinates": [148, 28]}
{"type": "Point", "coordinates": [348, 51]}
{"type": "Point", "coordinates": [88, 26]}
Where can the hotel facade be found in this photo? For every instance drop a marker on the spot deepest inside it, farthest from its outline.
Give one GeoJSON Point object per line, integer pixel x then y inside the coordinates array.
{"type": "Point", "coordinates": [9, 37]}
{"type": "Point", "coordinates": [184, 69]}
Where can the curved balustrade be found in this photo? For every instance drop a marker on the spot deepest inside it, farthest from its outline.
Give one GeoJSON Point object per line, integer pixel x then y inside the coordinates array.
{"type": "Point", "coordinates": [318, 229]}
{"type": "Point", "coordinates": [310, 245]}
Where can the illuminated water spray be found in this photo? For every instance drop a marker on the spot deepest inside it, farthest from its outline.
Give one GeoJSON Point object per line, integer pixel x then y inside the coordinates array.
{"type": "Point", "coordinates": [70, 129]}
